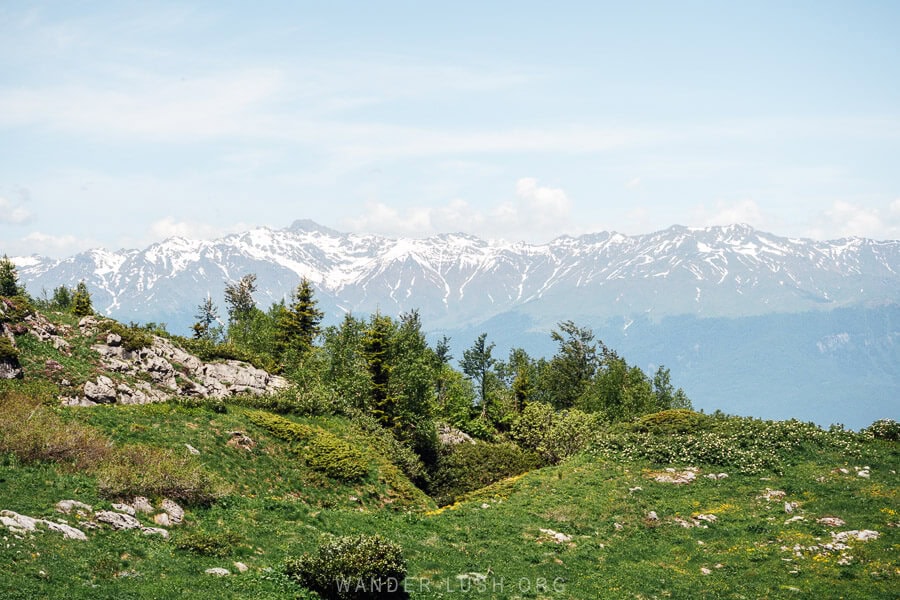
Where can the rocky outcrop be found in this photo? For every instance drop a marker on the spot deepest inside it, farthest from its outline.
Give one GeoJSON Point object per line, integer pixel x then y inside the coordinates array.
{"type": "Point", "coordinates": [172, 371]}
{"type": "Point", "coordinates": [19, 524]}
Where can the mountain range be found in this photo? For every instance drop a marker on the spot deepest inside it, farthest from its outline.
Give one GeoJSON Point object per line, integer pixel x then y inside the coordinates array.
{"type": "Point", "coordinates": [711, 303]}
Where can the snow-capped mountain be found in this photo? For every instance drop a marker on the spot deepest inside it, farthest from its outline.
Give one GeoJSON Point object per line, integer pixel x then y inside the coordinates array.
{"type": "Point", "coordinates": [456, 279]}
{"type": "Point", "coordinates": [749, 322]}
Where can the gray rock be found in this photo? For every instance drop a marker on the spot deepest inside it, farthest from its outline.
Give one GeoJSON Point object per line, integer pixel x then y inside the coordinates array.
{"type": "Point", "coordinates": [113, 339]}
{"type": "Point", "coordinates": [192, 450]}
{"type": "Point", "coordinates": [155, 531]}
{"type": "Point", "coordinates": [218, 572]}
{"type": "Point", "coordinates": [162, 519]}
{"type": "Point", "coordinates": [175, 512]}
{"type": "Point", "coordinates": [117, 520]}
{"type": "Point", "coordinates": [142, 505]}
{"type": "Point", "coordinates": [20, 524]}
{"type": "Point", "coordinates": [67, 506]}
{"type": "Point", "coordinates": [10, 368]}
{"type": "Point", "coordinates": [241, 567]}
{"type": "Point", "coordinates": [124, 508]}
{"type": "Point", "coordinates": [101, 392]}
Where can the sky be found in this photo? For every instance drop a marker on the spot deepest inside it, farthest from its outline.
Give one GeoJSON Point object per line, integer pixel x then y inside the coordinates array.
{"type": "Point", "coordinates": [124, 123]}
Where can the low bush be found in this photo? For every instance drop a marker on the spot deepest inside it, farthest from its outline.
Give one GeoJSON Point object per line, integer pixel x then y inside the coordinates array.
{"type": "Point", "coordinates": [749, 445]}
{"type": "Point", "coordinates": [8, 352]}
{"type": "Point", "coordinates": [217, 544]}
{"type": "Point", "coordinates": [554, 435]}
{"type": "Point", "coordinates": [401, 455]}
{"type": "Point", "coordinates": [34, 432]}
{"type": "Point", "coordinates": [133, 337]}
{"type": "Point", "coordinates": [676, 420]}
{"type": "Point", "coordinates": [208, 351]}
{"type": "Point", "coordinates": [351, 568]}
{"type": "Point", "coordinates": [321, 449]}
{"type": "Point", "coordinates": [465, 467]}
{"type": "Point", "coordinates": [14, 309]}
{"type": "Point", "coordinates": [146, 471]}
{"type": "Point", "coordinates": [883, 429]}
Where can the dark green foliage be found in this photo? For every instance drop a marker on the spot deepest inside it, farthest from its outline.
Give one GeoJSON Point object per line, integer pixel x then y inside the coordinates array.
{"type": "Point", "coordinates": [400, 454]}
{"type": "Point", "coordinates": [667, 422]}
{"type": "Point", "coordinates": [218, 544]}
{"type": "Point", "coordinates": [9, 279]}
{"type": "Point", "coordinates": [297, 326]}
{"type": "Point", "coordinates": [666, 394]}
{"type": "Point", "coordinates": [81, 301]}
{"type": "Point", "coordinates": [62, 298]}
{"type": "Point", "coordinates": [465, 467]}
{"type": "Point", "coordinates": [571, 370]}
{"type": "Point", "coordinates": [376, 348]}
{"type": "Point", "coordinates": [321, 449]}
{"type": "Point", "coordinates": [352, 567]}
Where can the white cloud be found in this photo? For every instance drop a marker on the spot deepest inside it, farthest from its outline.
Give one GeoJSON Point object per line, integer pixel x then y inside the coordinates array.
{"type": "Point", "coordinates": [849, 219]}
{"type": "Point", "coordinates": [634, 183]}
{"type": "Point", "coordinates": [536, 213]}
{"type": "Point", "coordinates": [723, 213]}
{"type": "Point", "coordinates": [52, 245]}
{"type": "Point", "coordinates": [168, 227]}
{"type": "Point", "coordinates": [12, 213]}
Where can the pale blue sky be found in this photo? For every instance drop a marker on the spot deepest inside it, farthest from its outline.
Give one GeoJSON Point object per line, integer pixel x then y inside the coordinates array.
{"type": "Point", "coordinates": [122, 123]}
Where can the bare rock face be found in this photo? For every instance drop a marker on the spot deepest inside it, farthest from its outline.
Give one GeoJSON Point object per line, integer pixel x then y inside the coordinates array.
{"type": "Point", "coordinates": [10, 368]}
{"type": "Point", "coordinates": [174, 371]}
{"type": "Point", "coordinates": [101, 392]}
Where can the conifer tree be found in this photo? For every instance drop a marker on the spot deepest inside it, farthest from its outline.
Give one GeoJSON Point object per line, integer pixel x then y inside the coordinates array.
{"type": "Point", "coordinates": [81, 301]}
{"type": "Point", "coordinates": [9, 279]}
{"type": "Point", "coordinates": [207, 316]}
{"type": "Point", "coordinates": [376, 346]}
{"type": "Point", "coordinates": [299, 325]}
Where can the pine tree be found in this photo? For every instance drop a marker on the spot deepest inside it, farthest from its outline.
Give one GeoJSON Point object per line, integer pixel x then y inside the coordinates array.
{"type": "Point", "coordinates": [207, 316]}
{"type": "Point", "coordinates": [81, 301]}
{"type": "Point", "coordinates": [9, 279]}
{"type": "Point", "coordinates": [299, 324]}
{"type": "Point", "coordinates": [376, 346]}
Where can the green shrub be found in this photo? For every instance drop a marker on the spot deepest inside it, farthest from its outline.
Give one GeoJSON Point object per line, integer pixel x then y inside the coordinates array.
{"type": "Point", "coordinates": [8, 352]}
{"type": "Point", "coordinates": [321, 449]}
{"type": "Point", "coordinates": [134, 338]}
{"type": "Point", "coordinates": [146, 471]}
{"type": "Point", "coordinates": [676, 420]}
{"type": "Point", "coordinates": [34, 432]}
{"type": "Point", "coordinates": [749, 445]}
{"type": "Point", "coordinates": [209, 351]}
{"type": "Point", "coordinates": [401, 455]}
{"type": "Point", "coordinates": [883, 429]}
{"type": "Point", "coordinates": [466, 467]}
{"type": "Point", "coordinates": [14, 309]}
{"type": "Point", "coordinates": [216, 544]}
{"type": "Point", "coordinates": [351, 568]}
{"type": "Point", "coordinates": [554, 435]}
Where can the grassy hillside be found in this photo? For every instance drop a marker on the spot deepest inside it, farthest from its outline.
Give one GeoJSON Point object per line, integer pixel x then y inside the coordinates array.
{"type": "Point", "coordinates": [675, 504]}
